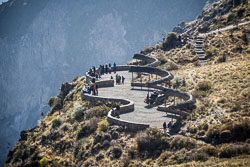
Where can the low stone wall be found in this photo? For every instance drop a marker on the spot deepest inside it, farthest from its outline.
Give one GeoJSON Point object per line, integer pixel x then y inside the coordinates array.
{"type": "Point", "coordinates": [127, 106]}
{"type": "Point", "coordinates": [151, 61]}
{"type": "Point", "coordinates": [189, 100]}
{"type": "Point", "coordinates": [105, 83]}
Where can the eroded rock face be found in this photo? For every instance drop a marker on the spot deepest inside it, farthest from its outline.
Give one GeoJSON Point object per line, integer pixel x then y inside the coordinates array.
{"type": "Point", "coordinates": [65, 89]}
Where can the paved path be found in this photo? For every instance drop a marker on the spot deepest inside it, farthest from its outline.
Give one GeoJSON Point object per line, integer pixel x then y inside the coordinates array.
{"type": "Point", "coordinates": [141, 114]}
{"type": "Point", "coordinates": [225, 28]}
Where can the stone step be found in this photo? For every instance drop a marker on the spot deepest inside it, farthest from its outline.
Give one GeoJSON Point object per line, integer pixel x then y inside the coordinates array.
{"type": "Point", "coordinates": [198, 47]}
{"type": "Point", "coordinates": [202, 57]}
{"type": "Point", "coordinates": [200, 37]}
{"type": "Point", "coordinates": [201, 52]}
{"type": "Point", "coordinates": [203, 62]}
{"type": "Point", "coordinates": [199, 42]}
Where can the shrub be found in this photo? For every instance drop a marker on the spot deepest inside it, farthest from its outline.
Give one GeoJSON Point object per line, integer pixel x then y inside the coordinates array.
{"type": "Point", "coordinates": [51, 100]}
{"type": "Point", "coordinates": [200, 156]}
{"type": "Point", "coordinates": [171, 66]}
{"type": "Point", "coordinates": [178, 82]}
{"type": "Point", "coordinates": [240, 12]}
{"type": "Point", "coordinates": [88, 128]}
{"type": "Point", "coordinates": [44, 162]}
{"type": "Point", "coordinates": [231, 131]}
{"type": "Point", "coordinates": [171, 41]}
{"type": "Point", "coordinates": [230, 17]}
{"type": "Point", "coordinates": [78, 114]}
{"type": "Point", "coordinates": [204, 28]}
{"type": "Point", "coordinates": [85, 131]}
{"type": "Point", "coordinates": [56, 104]}
{"type": "Point", "coordinates": [236, 2]}
{"type": "Point", "coordinates": [103, 126]}
{"type": "Point", "coordinates": [117, 152]}
{"type": "Point", "coordinates": [180, 142]}
{"type": "Point", "coordinates": [230, 150]}
{"type": "Point", "coordinates": [226, 151]}
{"type": "Point", "coordinates": [98, 111]}
{"type": "Point", "coordinates": [158, 46]}
{"type": "Point", "coordinates": [56, 123]}
{"type": "Point", "coordinates": [209, 53]}
{"type": "Point", "coordinates": [147, 50]}
{"type": "Point", "coordinates": [151, 140]}
{"type": "Point", "coordinates": [65, 127]}
{"type": "Point", "coordinates": [221, 59]}
{"type": "Point", "coordinates": [209, 149]}
{"type": "Point", "coordinates": [204, 86]}
{"type": "Point", "coordinates": [164, 156]}
{"type": "Point", "coordinates": [132, 152]}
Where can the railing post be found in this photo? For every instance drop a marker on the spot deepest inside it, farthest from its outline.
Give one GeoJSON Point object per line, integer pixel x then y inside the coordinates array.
{"type": "Point", "coordinates": [141, 79]}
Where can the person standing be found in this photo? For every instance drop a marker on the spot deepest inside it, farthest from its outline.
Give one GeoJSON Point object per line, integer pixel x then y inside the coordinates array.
{"type": "Point", "coordinates": [96, 89]}
{"type": "Point", "coordinates": [170, 125]}
{"type": "Point", "coordinates": [164, 127]}
{"type": "Point", "coordinates": [110, 68]}
{"type": "Point", "coordinates": [123, 79]}
{"type": "Point", "coordinates": [114, 67]}
{"type": "Point", "coordinates": [116, 79]}
{"type": "Point", "coordinates": [106, 68]}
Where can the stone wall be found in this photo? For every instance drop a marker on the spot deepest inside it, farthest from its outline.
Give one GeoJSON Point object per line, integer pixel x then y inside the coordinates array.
{"type": "Point", "coordinates": [127, 106]}
{"type": "Point", "coordinates": [106, 83]}
{"type": "Point", "coordinates": [150, 61]}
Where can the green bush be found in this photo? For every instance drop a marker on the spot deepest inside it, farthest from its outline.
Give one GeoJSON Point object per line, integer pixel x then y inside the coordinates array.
{"type": "Point", "coordinates": [171, 41]}
{"type": "Point", "coordinates": [56, 123]}
{"type": "Point", "coordinates": [103, 126]}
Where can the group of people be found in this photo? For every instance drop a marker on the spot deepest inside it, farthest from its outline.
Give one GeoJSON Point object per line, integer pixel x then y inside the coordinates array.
{"type": "Point", "coordinates": [152, 98]}
{"type": "Point", "coordinates": [93, 72]}
{"type": "Point", "coordinates": [165, 126]}
{"type": "Point", "coordinates": [119, 79]}
{"type": "Point", "coordinates": [91, 87]}
{"type": "Point", "coordinates": [103, 69]}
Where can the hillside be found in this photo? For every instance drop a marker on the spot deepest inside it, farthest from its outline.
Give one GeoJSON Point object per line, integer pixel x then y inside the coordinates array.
{"type": "Point", "coordinates": [46, 42]}
{"type": "Point", "coordinates": [215, 132]}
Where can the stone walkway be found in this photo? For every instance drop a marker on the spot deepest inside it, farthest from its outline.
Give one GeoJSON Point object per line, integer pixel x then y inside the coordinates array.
{"type": "Point", "coordinates": [142, 113]}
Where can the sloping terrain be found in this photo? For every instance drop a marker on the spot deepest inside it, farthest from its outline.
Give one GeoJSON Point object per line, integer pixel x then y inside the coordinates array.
{"type": "Point", "coordinates": [216, 133]}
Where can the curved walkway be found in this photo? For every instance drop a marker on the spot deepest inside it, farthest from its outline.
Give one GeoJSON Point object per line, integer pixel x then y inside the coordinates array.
{"type": "Point", "coordinates": [134, 113]}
